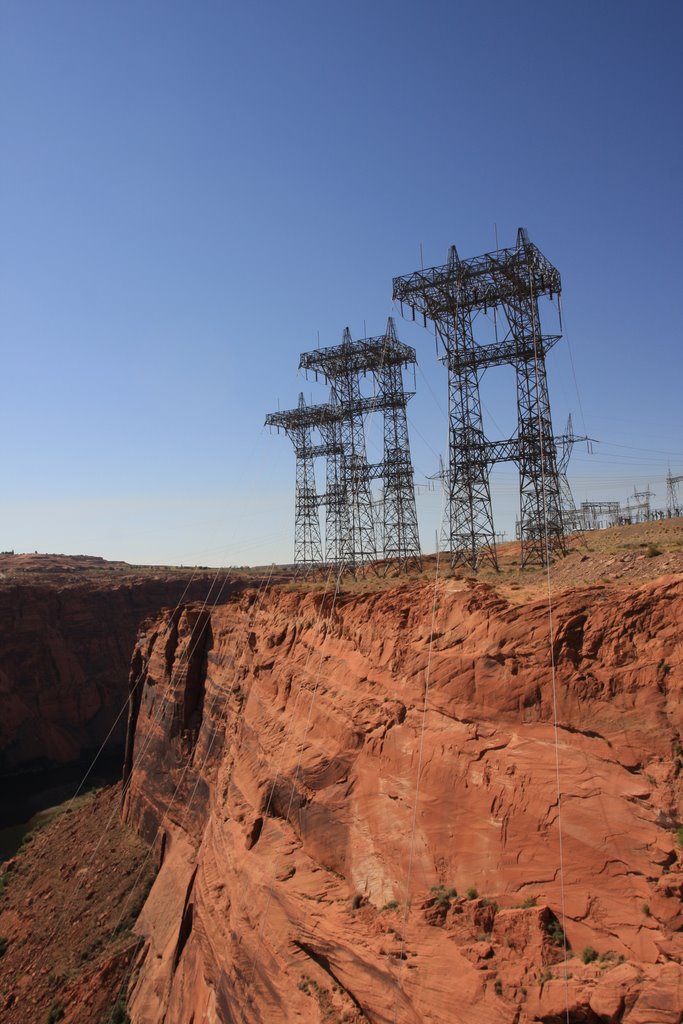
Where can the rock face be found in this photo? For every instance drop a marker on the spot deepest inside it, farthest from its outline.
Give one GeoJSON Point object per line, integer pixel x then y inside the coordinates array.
{"type": "Point", "coordinates": [67, 631]}
{"type": "Point", "coordinates": [355, 806]}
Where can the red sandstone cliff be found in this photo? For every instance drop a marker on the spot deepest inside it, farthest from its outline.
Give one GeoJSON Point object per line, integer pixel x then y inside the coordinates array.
{"type": "Point", "coordinates": [67, 631]}
{"type": "Point", "coordinates": [308, 874]}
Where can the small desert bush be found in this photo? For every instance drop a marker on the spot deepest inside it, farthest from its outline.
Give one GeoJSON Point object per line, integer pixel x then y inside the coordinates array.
{"type": "Point", "coordinates": [119, 1014]}
{"type": "Point", "coordinates": [56, 1013]}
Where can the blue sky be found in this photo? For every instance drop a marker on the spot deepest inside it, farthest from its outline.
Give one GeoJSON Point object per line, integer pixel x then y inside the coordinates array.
{"type": "Point", "coordinates": [192, 193]}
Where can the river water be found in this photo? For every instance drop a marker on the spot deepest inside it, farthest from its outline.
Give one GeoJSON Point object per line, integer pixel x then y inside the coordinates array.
{"type": "Point", "coordinates": [31, 799]}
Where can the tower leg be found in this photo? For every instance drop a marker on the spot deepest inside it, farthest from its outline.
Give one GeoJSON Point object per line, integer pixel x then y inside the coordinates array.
{"type": "Point", "coordinates": [307, 545]}
{"type": "Point", "coordinates": [542, 527]}
{"type": "Point", "coordinates": [401, 535]}
{"type": "Point", "coordinates": [469, 528]}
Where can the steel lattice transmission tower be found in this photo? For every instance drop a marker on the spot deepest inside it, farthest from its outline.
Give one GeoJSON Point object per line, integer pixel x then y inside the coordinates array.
{"type": "Point", "coordinates": [298, 425]}
{"type": "Point", "coordinates": [572, 517]}
{"type": "Point", "coordinates": [452, 296]}
{"type": "Point", "coordinates": [343, 367]}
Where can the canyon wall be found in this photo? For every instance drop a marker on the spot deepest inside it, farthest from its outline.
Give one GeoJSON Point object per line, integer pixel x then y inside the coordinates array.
{"type": "Point", "coordinates": [67, 632]}
{"type": "Point", "coordinates": [354, 803]}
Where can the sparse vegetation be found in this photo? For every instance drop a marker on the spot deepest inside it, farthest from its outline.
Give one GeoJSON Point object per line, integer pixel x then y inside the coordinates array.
{"type": "Point", "coordinates": [498, 987]}
{"type": "Point", "coordinates": [472, 893]}
{"type": "Point", "coordinates": [56, 1013]}
{"type": "Point", "coordinates": [3, 944]}
{"type": "Point", "coordinates": [357, 901]}
{"type": "Point", "coordinates": [118, 1014]}
{"type": "Point", "coordinates": [588, 955]}
{"type": "Point", "coordinates": [646, 910]}
{"type": "Point", "coordinates": [679, 836]}
{"type": "Point", "coordinates": [530, 901]}
{"type": "Point", "coordinates": [391, 905]}
{"type": "Point", "coordinates": [442, 895]}
{"type": "Point", "coordinates": [652, 551]}
{"type": "Point", "coordinates": [556, 933]}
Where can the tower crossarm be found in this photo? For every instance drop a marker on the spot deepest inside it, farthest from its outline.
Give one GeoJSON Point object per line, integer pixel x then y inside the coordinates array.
{"type": "Point", "coordinates": [292, 420]}
{"type": "Point", "coordinates": [304, 417]}
{"type": "Point", "coordinates": [506, 450]}
{"type": "Point", "coordinates": [478, 283]}
{"type": "Point", "coordinates": [501, 353]}
{"type": "Point", "coordinates": [357, 357]}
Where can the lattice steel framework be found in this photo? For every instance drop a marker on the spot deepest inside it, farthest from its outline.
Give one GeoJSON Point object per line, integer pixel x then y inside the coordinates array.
{"type": "Point", "coordinates": [401, 537]}
{"type": "Point", "coordinates": [342, 367]}
{"type": "Point", "coordinates": [451, 296]}
{"type": "Point", "coordinates": [298, 424]}
{"type": "Point", "coordinates": [673, 504]}
{"type": "Point", "coordinates": [637, 507]}
{"type": "Point", "coordinates": [572, 517]}
{"type": "Point", "coordinates": [596, 514]}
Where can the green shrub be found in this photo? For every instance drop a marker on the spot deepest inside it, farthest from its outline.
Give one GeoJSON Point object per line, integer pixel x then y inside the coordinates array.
{"type": "Point", "coordinates": [498, 987]}
{"type": "Point", "coordinates": [530, 901]}
{"type": "Point", "coordinates": [119, 1014]}
{"type": "Point", "coordinates": [56, 1013]}
{"type": "Point", "coordinates": [652, 551]}
{"type": "Point", "coordinates": [588, 955]}
{"type": "Point", "coordinates": [556, 933]}
{"type": "Point", "coordinates": [646, 909]}
{"type": "Point", "coordinates": [391, 905]}
{"type": "Point", "coordinates": [356, 901]}
{"type": "Point", "coordinates": [472, 893]}
{"type": "Point", "coordinates": [679, 836]}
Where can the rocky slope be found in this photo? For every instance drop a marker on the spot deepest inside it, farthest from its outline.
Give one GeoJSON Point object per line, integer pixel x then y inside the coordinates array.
{"type": "Point", "coordinates": [354, 800]}
{"type": "Point", "coordinates": [67, 631]}
{"type": "Point", "coordinates": [70, 898]}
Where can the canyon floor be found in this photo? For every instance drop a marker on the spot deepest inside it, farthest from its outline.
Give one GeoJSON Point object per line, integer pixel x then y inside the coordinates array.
{"type": "Point", "coordinates": [350, 800]}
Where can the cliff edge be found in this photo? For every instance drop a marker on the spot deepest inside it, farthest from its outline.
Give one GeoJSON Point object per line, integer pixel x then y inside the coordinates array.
{"type": "Point", "coordinates": [354, 802]}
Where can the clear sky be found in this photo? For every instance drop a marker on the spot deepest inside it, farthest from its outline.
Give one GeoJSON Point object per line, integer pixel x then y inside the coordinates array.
{"type": "Point", "coordinates": [192, 193]}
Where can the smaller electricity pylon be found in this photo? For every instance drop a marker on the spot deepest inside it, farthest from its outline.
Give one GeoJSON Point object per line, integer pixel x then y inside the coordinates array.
{"type": "Point", "coordinates": [298, 424]}
{"type": "Point", "coordinates": [572, 517]}
{"type": "Point", "coordinates": [343, 367]}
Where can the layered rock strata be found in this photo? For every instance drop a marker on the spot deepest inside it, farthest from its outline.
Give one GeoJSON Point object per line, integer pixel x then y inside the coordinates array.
{"type": "Point", "coordinates": [67, 632]}
{"type": "Point", "coordinates": [354, 802]}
